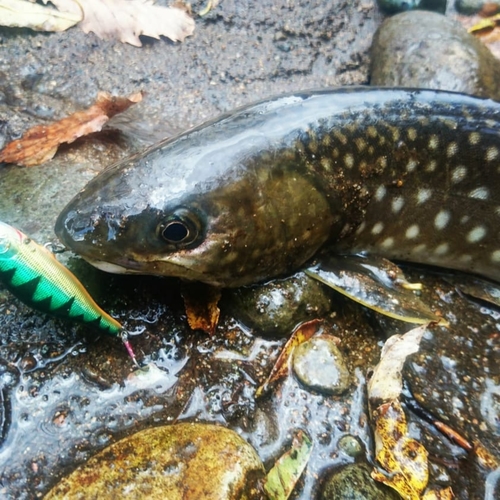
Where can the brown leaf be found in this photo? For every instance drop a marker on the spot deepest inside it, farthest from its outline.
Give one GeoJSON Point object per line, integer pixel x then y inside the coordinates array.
{"type": "Point", "coordinates": [39, 144]}
{"type": "Point", "coordinates": [302, 333]}
{"type": "Point", "coordinates": [127, 19]}
{"type": "Point", "coordinates": [200, 301]}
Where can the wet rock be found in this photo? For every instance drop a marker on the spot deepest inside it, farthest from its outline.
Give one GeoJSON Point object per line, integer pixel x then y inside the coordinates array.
{"type": "Point", "coordinates": [319, 365]}
{"type": "Point", "coordinates": [468, 7]}
{"type": "Point", "coordinates": [427, 50]}
{"type": "Point", "coordinates": [278, 306]}
{"type": "Point", "coordinates": [354, 483]}
{"type": "Point", "coordinates": [186, 460]}
{"type": "Point", "coordinates": [393, 6]}
{"type": "Point", "coordinates": [350, 445]}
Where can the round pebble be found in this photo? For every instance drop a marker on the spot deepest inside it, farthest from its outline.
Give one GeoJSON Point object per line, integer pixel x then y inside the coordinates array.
{"type": "Point", "coordinates": [320, 366]}
{"type": "Point", "coordinates": [427, 50]}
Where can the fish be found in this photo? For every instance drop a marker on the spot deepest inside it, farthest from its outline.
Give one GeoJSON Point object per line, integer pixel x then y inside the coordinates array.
{"type": "Point", "coordinates": [33, 274]}
{"type": "Point", "coordinates": [403, 174]}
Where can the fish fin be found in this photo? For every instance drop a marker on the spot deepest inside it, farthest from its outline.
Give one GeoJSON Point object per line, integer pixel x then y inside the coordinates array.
{"type": "Point", "coordinates": [477, 288]}
{"type": "Point", "coordinates": [375, 283]}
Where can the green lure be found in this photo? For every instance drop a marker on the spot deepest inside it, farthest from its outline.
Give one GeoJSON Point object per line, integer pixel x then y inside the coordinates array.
{"type": "Point", "coordinates": [34, 276]}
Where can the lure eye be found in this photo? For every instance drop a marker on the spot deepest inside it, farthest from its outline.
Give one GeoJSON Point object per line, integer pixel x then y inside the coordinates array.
{"type": "Point", "coordinates": [4, 245]}
{"type": "Point", "coordinates": [181, 228]}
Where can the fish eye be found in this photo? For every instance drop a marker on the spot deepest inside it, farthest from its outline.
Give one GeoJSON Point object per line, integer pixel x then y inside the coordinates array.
{"type": "Point", "coordinates": [180, 228]}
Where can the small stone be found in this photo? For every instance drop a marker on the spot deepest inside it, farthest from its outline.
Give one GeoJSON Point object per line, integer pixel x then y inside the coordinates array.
{"type": "Point", "coordinates": [275, 308]}
{"type": "Point", "coordinates": [350, 445]}
{"type": "Point", "coordinates": [320, 366]}
{"type": "Point", "coordinates": [354, 483]}
{"type": "Point", "coordinates": [468, 7]}
{"type": "Point", "coordinates": [394, 6]}
{"type": "Point", "coordinates": [427, 50]}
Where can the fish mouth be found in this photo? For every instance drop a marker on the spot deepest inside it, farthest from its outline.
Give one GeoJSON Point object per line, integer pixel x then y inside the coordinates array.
{"type": "Point", "coordinates": [130, 267]}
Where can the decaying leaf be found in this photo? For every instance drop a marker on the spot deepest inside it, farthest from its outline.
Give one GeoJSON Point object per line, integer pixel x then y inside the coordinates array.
{"type": "Point", "coordinates": [403, 459]}
{"type": "Point", "coordinates": [280, 369]}
{"type": "Point", "coordinates": [127, 19]}
{"type": "Point", "coordinates": [282, 478]}
{"type": "Point", "coordinates": [24, 14]}
{"type": "Point", "coordinates": [200, 301]}
{"type": "Point", "coordinates": [124, 20]}
{"type": "Point", "coordinates": [386, 383]}
{"type": "Point", "coordinates": [39, 144]}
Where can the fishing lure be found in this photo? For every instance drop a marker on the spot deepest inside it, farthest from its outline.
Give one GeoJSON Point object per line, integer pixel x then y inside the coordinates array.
{"type": "Point", "coordinates": [32, 273]}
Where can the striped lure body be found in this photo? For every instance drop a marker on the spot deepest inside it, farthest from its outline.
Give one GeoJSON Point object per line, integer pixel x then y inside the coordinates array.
{"type": "Point", "coordinates": [35, 277]}
{"type": "Point", "coordinates": [411, 175]}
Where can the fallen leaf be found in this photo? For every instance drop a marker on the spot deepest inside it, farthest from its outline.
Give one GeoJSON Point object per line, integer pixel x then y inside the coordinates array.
{"type": "Point", "coordinates": [24, 14]}
{"type": "Point", "coordinates": [127, 19]}
{"type": "Point", "coordinates": [487, 23]}
{"type": "Point", "coordinates": [386, 383]}
{"type": "Point", "coordinates": [282, 478]}
{"type": "Point", "coordinates": [200, 301]}
{"type": "Point", "coordinates": [403, 459]}
{"type": "Point", "coordinates": [39, 144]}
{"type": "Point", "coordinates": [280, 369]}
{"type": "Point", "coordinates": [444, 494]}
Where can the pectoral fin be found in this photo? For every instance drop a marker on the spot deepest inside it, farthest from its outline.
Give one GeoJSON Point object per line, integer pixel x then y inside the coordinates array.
{"type": "Point", "coordinates": [375, 283]}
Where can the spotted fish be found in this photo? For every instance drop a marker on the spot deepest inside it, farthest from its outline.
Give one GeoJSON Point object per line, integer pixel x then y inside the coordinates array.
{"type": "Point", "coordinates": [409, 175]}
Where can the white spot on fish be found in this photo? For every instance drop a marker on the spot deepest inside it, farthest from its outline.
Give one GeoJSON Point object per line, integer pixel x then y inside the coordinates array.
{"type": "Point", "coordinates": [377, 228]}
{"type": "Point", "coordinates": [458, 174]}
{"type": "Point", "coordinates": [397, 204]}
{"type": "Point", "coordinates": [452, 149]}
{"type": "Point", "coordinates": [441, 249]}
{"type": "Point", "coordinates": [433, 142]}
{"type": "Point", "coordinates": [441, 220]}
{"type": "Point", "coordinates": [349, 160]}
{"type": "Point", "coordinates": [411, 166]}
{"type": "Point", "coordinates": [423, 195]}
{"type": "Point", "coordinates": [480, 193]}
{"type": "Point", "coordinates": [465, 219]}
{"type": "Point", "coordinates": [477, 234]}
{"type": "Point", "coordinates": [465, 258]}
{"type": "Point", "coordinates": [412, 134]}
{"type": "Point", "coordinates": [495, 256]}
{"type": "Point", "coordinates": [474, 138]}
{"type": "Point", "coordinates": [419, 248]}
{"type": "Point", "coordinates": [380, 192]}
{"type": "Point", "coordinates": [431, 166]}
{"type": "Point", "coordinates": [412, 231]}
{"type": "Point", "coordinates": [388, 242]}
{"type": "Point", "coordinates": [491, 153]}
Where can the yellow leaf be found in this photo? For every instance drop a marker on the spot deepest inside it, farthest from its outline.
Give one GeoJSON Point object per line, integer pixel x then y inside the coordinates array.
{"type": "Point", "coordinates": [403, 459]}
{"type": "Point", "coordinates": [24, 14]}
{"type": "Point", "coordinates": [487, 23]}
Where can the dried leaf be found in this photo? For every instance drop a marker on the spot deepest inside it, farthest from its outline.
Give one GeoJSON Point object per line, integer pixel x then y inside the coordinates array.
{"type": "Point", "coordinates": [200, 301]}
{"type": "Point", "coordinates": [127, 19]}
{"type": "Point", "coordinates": [25, 14]}
{"type": "Point", "coordinates": [280, 369]}
{"type": "Point", "coordinates": [39, 144]}
{"type": "Point", "coordinates": [403, 459]}
{"type": "Point", "coordinates": [386, 382]}
{"type": "Point", "coordinates": [282, 478]}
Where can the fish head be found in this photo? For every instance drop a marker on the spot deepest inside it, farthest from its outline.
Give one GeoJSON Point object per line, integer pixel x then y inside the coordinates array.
{"type": "Point", "coordinates": [203, 209]}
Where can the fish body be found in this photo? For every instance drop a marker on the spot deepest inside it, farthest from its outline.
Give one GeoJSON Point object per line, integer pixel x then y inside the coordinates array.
{"type": "Point", "coordinates": [34, 276]}
{"type": "Point", "coordinates": [410, 175]}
